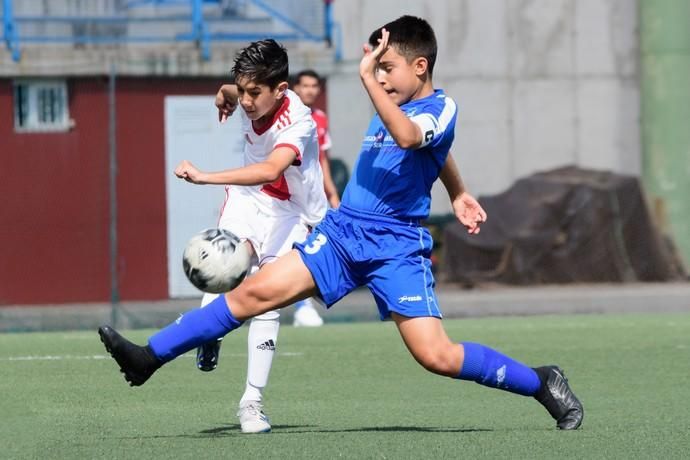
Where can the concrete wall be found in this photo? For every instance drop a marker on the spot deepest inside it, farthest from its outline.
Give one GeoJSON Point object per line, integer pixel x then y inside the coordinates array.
{"type": "Point", "coordinates": [539, 84]}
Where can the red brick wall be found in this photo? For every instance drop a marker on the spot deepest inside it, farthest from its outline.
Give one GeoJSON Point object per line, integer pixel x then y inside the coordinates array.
{"type": "Point", "coordinates": [54, 215]}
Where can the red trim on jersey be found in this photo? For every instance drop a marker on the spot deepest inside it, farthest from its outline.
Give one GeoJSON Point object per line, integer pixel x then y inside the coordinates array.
{"type": "Point", "coordinates": [278, 189]}
{"type": "Point", "coordinates": [281, 110]}
{"type": "Point", "coordinates": [298, 158]}
{"type": "Point", "coordinates": [225, 201]}
{"type": "Point", "coordinates": [284, 120]}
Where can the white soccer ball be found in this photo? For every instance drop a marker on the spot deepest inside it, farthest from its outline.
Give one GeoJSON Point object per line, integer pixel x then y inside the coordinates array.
{"type": "Point", "coordinates": [216, 261]}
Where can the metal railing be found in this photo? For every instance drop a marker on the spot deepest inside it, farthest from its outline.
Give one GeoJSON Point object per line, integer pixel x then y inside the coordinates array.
{"type": "Point", "coordinates": [202, 22]}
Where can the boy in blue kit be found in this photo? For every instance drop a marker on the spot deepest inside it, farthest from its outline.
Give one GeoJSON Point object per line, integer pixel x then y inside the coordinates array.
{"type": "Point", "coordinates": [375, 239]}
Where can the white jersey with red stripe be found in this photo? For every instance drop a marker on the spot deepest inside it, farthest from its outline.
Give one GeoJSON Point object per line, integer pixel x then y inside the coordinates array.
{"type": "Point", "coordinates": [300, 188]}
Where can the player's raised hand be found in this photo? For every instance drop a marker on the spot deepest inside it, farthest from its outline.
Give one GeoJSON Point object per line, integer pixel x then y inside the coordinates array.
{"type": "Point", "coordinates": [226, 102]}
{"type": "Point", "coordinates": [469, 212]}
{"type": "Point", "coordinates": [187, 171]}
{"type": "Point", "coordinates": [367, 66]}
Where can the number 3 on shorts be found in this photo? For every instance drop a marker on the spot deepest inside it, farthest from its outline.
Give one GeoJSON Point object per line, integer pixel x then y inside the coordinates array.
{"type": "Point", "coordinates": [315, 245]}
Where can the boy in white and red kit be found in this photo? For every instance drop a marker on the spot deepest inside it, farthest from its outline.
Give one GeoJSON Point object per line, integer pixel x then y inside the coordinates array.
{"type": "Point", "coordinates": [271, 202]}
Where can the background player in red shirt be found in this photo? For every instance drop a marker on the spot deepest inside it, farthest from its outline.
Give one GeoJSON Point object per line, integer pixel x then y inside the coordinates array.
{"type": "Point", "coordinates": [307, 85]}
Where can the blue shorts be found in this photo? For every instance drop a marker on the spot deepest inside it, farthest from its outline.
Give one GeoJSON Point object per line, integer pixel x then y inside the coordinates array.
{"type": "Point", "coordinates": [391, 257]}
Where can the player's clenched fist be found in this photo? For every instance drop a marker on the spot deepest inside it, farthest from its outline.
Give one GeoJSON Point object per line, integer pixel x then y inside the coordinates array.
{"type": "Point", "coordinates": [187, 171]}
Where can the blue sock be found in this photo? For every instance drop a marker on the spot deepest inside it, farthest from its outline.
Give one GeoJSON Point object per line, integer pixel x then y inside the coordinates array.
{"type": "Point", "coordinates": [492, 369]}
{"type": "Point", "coordinates": [192, 329]}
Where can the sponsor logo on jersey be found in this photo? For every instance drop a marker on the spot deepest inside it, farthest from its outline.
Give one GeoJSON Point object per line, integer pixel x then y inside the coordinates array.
{"type": "Point", "coordinates": [410, 298]}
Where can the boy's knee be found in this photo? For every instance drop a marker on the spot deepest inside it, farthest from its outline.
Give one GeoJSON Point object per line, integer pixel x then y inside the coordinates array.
{"type": "Point", "coordinates": [440, 361]}
{"type": "Point", "coordinates": [242, 303]}
{"type": "Point", "coordinates": [248, 299]}
{"type": "Point", "coordinates": [258, 293]}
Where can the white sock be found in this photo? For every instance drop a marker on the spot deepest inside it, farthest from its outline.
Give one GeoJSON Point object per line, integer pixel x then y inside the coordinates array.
{"type": "Point", "coordinates": [261, 342]}
{"type": "Point", "coordinates": [207, 299]}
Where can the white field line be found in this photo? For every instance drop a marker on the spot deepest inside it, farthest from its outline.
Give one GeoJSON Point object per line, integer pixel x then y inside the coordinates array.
{"type": "Point", "coordinates": [97, 357]}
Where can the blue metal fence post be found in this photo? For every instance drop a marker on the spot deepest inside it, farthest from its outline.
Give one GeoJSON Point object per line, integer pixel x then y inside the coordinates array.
{"type": "Point", "coordinates": [199, 31]}
{"type": "Point", "coordinates": [197, 18]}
{"type": "Point", "coordinates": [328, 17]}
{"type": "Point", "coordinates": [338, 41]}
{"type": "Point", "coordinates": [10, 32]}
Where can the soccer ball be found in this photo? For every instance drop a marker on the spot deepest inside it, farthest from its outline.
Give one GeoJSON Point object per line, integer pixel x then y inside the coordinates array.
{"type": "Point", "coordinates": [216, 261]}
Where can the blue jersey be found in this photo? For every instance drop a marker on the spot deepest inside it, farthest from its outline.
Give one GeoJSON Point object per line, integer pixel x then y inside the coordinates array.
{"type": "Point", "coordinates": [393, 181]}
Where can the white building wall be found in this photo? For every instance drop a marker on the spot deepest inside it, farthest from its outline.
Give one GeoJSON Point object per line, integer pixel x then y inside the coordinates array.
{"type": "Point", "coordinates": [539, 84]}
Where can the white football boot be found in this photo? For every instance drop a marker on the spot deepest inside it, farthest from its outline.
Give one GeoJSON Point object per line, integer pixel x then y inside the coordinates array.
{"type": "Point", "coordinates": [307, 316]}
{"type": "Point", "coordinates": [252, 418]}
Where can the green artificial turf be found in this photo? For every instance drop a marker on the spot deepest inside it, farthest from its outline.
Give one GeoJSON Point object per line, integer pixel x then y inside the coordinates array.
{"type": "Point", "coordinates": [353, 391]}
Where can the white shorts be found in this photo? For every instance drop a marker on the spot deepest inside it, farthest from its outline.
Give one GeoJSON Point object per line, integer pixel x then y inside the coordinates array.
{"type": "Point", "coordinates": [270, 236]}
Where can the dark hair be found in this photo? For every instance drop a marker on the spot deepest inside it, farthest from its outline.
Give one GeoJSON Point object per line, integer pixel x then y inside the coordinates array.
{"type": "Point", "coordinates": [264, 62]}
{"type": "Point", "coordinates": [412, 37]}
{"type": "Point", "coordinates": [306, 73]}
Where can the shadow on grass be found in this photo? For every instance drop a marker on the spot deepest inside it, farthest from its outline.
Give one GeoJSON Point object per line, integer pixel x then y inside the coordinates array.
{"type": "Point", "coordinates": [234, 430]}
{"type": "Point", "coordinates": [292, 429]}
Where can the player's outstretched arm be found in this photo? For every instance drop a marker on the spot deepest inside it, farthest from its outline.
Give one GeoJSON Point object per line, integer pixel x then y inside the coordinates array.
{"type": "Point", "coordinates": [465, 207]}
{"type": "Point", "coordinates": [226, 101]}
{"type": "Point", "coordinates": [404, 132]}
{"type": "Point", "coordinates": [255, 174]}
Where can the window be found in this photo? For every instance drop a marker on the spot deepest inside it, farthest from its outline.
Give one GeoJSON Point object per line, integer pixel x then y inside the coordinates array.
{"type": "Point", "coordinates": [40, 105]}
